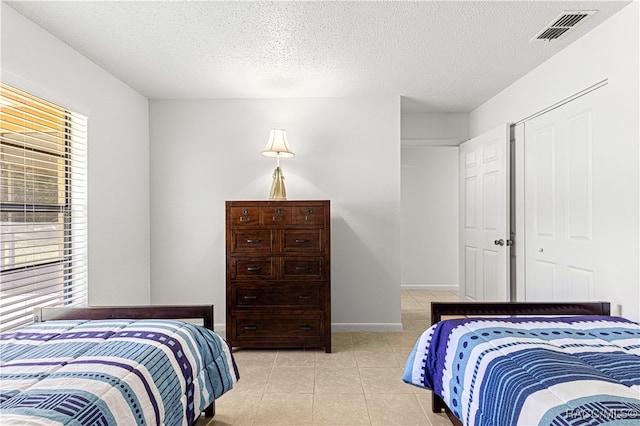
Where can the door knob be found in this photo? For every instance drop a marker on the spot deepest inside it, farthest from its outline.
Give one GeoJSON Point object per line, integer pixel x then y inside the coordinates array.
{"type": "Point", "coordinates": [499, 242]}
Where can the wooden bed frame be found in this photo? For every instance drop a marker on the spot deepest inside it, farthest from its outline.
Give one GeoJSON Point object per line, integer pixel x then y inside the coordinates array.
{"type": "Point", "coordinates": [183, 312]}
{"type": "Point", "coordinates": [469, 309]}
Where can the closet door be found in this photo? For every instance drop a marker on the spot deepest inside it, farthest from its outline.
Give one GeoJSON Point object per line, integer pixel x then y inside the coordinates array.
{"type": "Point", "coordinates": [484, 218]}
{"type": "Point", "coordinates": [559, 200]}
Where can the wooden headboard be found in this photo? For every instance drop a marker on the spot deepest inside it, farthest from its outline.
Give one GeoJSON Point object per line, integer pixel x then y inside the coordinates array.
{"type": "Point", "coordinates": [440, 309]}
{"type": "Point", "coordinates": [203, 312]}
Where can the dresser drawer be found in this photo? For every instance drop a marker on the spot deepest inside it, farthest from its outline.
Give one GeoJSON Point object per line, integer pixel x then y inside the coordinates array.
{"type": "Point", "coordinates": [303, 241]}
{"type": "Point", "coordinates": [311, 215]}
{"type": "Point", "coordinates": [308, 268]}
{"type": "Point", "coordinates": [270, 295]}
{"type": "Point", "coordinates": [252, 268]}
{"type": "Point", "coordinates": [278, 328]}
{"type": "Point", "coordinates": [278, 216]}
{"type": "Point", "coordinates": [245, 216]}
{"type": "Point", "coordinates": [252, 241]}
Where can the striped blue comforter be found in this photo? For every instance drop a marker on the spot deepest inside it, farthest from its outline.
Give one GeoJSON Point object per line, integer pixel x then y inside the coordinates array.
{"type": "Point", "coordinates": [111, 372]}
{"type": "Point", "coordinates": [532, 371]}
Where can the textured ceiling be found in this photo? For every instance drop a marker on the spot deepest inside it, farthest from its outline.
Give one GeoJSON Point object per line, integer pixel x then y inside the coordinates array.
{"type": "Point", "coordinates": [447, 56]}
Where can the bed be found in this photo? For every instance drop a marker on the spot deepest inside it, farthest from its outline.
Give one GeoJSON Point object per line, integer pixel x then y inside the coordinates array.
{"type": "Point", "coordinates": [114, 365]}
{"type": "Point", "coordinates": [518, 363]}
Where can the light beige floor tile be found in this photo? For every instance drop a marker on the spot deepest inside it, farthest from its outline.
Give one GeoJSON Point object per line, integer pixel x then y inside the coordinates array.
{"type": "Point", "coordinates": [406, 339]}
{"type": "Point", "coordinates": [344, 409]}
{"type": "Point", "coordinates": [254, 357]}
{"type": "Point", "coordinates": [370, 341]}
{"type": "Point", "coordinates": [235, 409]}
{"type": "Point", "coordinates": [341, 340]}
{"type": "Point", "coordinates": [421, 295]}
{"type": "Point", "coordinates": [410, 305]}
{"type": "Point", "coordinates": [291, 380]}
{"type": "Point", "coordinates": [384, 380]}
{"type": "Point", "coordinates": [285, 409]}
{"type": "Point", "coordinates": [402, 354]}
{"type": "Point", "coordinates": [395, 410]}
{"type": "Point", "coordinates": [376, 358]}
{"type": "Point", "coordinates": [436, 419]}
{"type": "Point", "coordinates": [339, 358]}
{"type": "Point", "coordinates": [337, 381]}
{"type": "Point", "coordinates": [253, 379]}
{"type": "Point", "coordinates": [296, 358]}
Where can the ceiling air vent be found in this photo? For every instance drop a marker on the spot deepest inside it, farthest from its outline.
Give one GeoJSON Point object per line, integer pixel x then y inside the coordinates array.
{"type": "Point", "coordinates": [562, 24]}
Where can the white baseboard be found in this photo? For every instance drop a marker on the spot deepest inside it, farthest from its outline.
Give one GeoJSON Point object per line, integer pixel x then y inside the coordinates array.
{"type": "Point", "coordinates": [432, 287]}
{"type": "Point", "coordinates": [221, 330]}
{"type": "Point", "coordinates": [366, 327]}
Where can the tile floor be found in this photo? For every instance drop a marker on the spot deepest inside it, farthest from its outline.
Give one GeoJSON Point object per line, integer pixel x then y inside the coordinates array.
{"type": "Point", "coordinates": [359, 383]}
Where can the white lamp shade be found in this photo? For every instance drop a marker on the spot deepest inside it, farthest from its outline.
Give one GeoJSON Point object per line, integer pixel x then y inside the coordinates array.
{"type": "Point", "coordinates": [277, 146]}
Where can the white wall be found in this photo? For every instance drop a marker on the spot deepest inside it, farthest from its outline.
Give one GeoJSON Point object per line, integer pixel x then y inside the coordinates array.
{"type": "Point", "coordinates": [610, 52]}
{"type": "Point", "coordinates": [430, 217]}
{"type": "Point", "coordinates": [118, 143]}
{"type": "Point", "coordinates": [430, 199]}
{"type": "Point", "coordinates": [347, 150]}
{"type": "Point", "coordinates": [434, 129]}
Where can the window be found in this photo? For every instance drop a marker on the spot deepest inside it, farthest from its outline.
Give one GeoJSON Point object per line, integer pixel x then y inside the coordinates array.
{"type": "Point", "coordinates": [43, 211]}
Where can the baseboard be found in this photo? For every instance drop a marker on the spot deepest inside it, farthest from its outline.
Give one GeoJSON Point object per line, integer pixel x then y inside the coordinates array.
{"type": "Point", "coordinates": [366, 327]}
{"type": "Point", "coordinates": [432, 287]}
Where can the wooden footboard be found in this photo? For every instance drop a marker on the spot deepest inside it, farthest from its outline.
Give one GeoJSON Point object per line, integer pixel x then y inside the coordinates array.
{"type": "Point", "coordinates": [469, 309]}
{"type": "Point", "coordinates": [186, 312]}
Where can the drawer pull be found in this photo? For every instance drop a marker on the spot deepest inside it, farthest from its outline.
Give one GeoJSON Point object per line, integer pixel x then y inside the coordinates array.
{"type": "Point", "coordinates": [250, 297]}
{"type": "Point", "coordinates": [253, 241]}
{"type": "Point", "coordinates": [310, 218]}
{"type": "Point", "coordinates": [304, 297]}
{"type": "Point", "coordinates": [301, 241]}
{"type": "Point", "coordinates": [277, 218]}
{"type": "Point", "coordinates": [302, 268]}
{"type": "Point", "coordinates": [250, 327]}
{"type": "Point", "coordinates": [305, 327]}
{"type": "Point", "coordinates": [253, 268]}
{"type": "Point", "coordinates": [244, 219]}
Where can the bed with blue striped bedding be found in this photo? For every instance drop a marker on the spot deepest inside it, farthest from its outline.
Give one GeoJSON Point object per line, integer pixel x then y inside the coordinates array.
{"type": "Point", "coordinates": [532, 371]}
{"type": "Point", "coordinates": [111, 372]}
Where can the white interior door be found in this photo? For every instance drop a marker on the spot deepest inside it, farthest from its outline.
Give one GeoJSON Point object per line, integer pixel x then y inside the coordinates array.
{"type": "Point", "coordinates": [484, 218]}
{"type": "Point", "coordinates": [559, 200]}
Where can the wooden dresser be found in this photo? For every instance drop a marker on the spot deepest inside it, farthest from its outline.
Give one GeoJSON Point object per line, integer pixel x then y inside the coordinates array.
{"type": "Point", "coordinates": [278, 274]}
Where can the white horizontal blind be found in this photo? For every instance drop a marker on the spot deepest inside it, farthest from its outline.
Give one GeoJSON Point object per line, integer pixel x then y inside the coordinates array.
{"type": "Point", "coordinates": [43, 212]}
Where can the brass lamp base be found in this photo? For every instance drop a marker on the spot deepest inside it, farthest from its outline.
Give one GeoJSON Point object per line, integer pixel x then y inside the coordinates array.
{"type": "Point", "coordinates": [277, 186]}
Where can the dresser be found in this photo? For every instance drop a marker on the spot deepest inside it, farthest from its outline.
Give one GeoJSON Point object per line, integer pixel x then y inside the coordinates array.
{"type": "Point", "coordinates": [278, 274]}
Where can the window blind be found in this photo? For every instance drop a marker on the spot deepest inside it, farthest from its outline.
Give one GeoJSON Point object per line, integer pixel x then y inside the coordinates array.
{"type": "Point", "coordinates": [43, 211]}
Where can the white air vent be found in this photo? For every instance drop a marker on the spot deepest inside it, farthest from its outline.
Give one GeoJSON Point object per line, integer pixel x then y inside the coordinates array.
{"type": "Point", "coordinates": [562, 24]}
